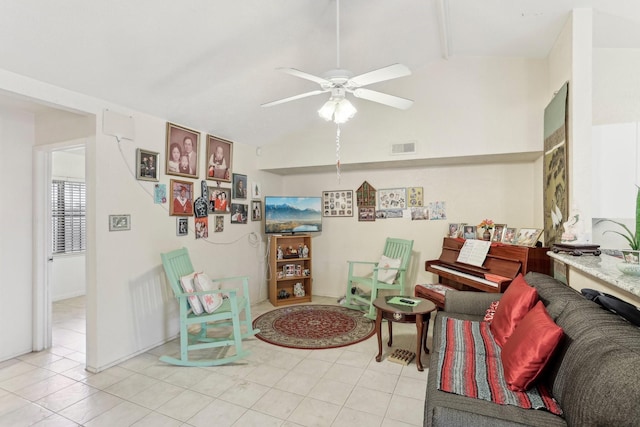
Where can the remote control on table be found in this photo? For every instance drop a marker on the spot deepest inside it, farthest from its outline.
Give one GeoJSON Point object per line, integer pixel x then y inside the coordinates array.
{"type": "Point", "coordinates": [408, 301]}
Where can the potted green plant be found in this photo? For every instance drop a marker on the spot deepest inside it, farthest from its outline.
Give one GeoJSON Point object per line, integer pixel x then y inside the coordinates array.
{"type": "Point", "coordinates": [632, 238]}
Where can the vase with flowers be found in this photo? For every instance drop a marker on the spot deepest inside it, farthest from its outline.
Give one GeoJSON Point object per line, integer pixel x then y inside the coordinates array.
{"type": "Point", "coordinates": [487, 225]}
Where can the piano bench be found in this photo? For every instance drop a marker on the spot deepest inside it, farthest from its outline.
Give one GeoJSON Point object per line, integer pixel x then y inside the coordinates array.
{"type": "Point", "coordinates": [434, 293]}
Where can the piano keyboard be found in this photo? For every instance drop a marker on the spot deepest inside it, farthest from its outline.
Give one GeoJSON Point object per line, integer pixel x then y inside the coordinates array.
{"type": "Point", "coordinates": [468, 276]}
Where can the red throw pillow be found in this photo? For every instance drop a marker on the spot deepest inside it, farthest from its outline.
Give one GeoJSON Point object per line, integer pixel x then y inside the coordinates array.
{"type": "Point", "coordinates": [516, 302]}
{"type": "Point", "coordinates": [527, 351]}
{"type": "Point", "coordinates": [491, 311]}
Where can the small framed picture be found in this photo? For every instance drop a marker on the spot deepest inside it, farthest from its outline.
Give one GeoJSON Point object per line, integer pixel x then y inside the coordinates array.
{"type": "Point", "coordinates": [219, 224]}
{"type": "Point", "coordinates": [631, 257]}
{"type": "Point", "coordinates": [256, 210]}
{"type": "Point", "coordinates": [392, 198]}
{"type": "Point", "coordinates": [182, 151]}
{"type": "Point", "coordinates": [414, 196]}
{"type": "Point", "coordinates": [366, 213]}
{"type": "Point", "coordinates": [528, 236]}
{"type": "Point", "coordinates": [498, 232]}
{"type": "Point", "coordinates": [119, 222]}
{"type": "Point", "coordinates": [181, 198]}
{"type": "Point", "coordinates": [510, 235]}
{"type": "Point", "coordinates": [202, 227]}
{"type": "Point", "coordinates": [337, 203]}
{"type": "Point", "coordinates": [182, 226]}
{"type": "Point", "coordinates": [219, 158]}
{"type": "Point", "coordinates": [147, 162]}
{"type": "Point", "coordinates": [256, 190]}
{"type": "Point", "coordinates": [219, 200]}
{"type": "Point", "coordinates": [469, 232]}
{"type": "Point", "coordinates": [239, 186]}
{"type": "Point", "coordinates": [238, 213]}
{"type": "Point", "coordinates": [454, 230]}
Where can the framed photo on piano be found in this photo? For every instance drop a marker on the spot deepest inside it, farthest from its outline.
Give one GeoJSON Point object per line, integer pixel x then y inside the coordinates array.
{"type": "Point", "coordinates": [498, 232]}
{"type": "Point", "coordinates": [510, 235]}
{"type": "Point", "coordinates": [528, 236]}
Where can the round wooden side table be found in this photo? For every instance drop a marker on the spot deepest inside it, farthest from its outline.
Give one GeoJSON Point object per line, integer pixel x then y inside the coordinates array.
{"type": "Point", "coordinates": [420, 314]}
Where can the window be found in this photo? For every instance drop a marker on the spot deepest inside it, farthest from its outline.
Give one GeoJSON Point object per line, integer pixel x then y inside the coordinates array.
{"type": "Point", "coordinates": [68, 217]}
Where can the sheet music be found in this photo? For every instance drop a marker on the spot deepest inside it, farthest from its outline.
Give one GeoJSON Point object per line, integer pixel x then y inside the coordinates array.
{"type": "Point", "coordinates": [474, 252]}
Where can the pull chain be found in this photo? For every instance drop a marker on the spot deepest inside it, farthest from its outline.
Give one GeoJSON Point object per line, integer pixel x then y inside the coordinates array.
{"type": "Point", "coordinates": [338, 153]}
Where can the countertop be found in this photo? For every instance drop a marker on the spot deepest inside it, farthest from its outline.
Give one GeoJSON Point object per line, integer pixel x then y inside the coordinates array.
{"type": "Point", "coordinates": [602, 267]}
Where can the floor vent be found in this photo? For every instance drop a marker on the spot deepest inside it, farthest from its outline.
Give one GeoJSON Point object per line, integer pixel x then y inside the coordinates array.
{"type": "Point", "coordinates": [404, 148]}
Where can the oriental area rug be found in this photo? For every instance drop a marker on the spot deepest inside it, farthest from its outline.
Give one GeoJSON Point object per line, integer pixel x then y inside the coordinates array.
{"type": "Point", "coordinates": [314, 327]}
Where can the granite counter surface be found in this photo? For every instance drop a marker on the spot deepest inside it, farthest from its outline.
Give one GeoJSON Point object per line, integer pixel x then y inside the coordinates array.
{"type": "Point", "coordinates": [602, 267]}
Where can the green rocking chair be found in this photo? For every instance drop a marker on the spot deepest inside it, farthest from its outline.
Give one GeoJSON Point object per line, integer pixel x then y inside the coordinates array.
{"type": "Point", "coordinates": [178, 264]}
{"type": "Point", "coordinates": [392, 275]}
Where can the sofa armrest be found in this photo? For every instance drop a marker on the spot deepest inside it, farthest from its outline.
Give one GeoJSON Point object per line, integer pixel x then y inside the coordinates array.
{"type": "Point", "coordinates": [447, 417]}
{"type": "Point", "coordinates": [469, 302]}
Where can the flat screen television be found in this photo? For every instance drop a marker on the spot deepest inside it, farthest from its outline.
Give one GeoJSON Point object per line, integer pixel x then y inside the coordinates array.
{"type": "Point", "coordinates": [292, 214]}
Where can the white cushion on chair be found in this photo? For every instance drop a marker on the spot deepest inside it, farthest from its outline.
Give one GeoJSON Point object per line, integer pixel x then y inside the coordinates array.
{"type": "Point", "coordinates": [187, 287]}
{"type": "Point", "coordinates": [210, 302]}
{"type": "Point", "coordinates": [384, 275]}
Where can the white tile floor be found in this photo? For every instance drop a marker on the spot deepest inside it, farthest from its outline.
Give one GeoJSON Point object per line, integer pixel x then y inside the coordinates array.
{"type": "Point", "coordinates": [274, 386]}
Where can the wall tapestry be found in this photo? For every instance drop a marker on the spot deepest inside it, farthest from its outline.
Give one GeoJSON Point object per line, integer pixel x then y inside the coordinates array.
{"type": "Point", "coordinates": [556, 190]}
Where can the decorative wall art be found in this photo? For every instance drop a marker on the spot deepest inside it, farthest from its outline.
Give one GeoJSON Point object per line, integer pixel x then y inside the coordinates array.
{"type": "Point", "coordinates": [239, 186]}
{"type": "Point", "coordinates": [202, 227]}
{"type": "Point", "coordinates": [414, 196]}
{"type": "Point", "coordinates": [392, 198]}
{"type": "Point", "coordinates": [366, 213]}
{"type": "Point", "coordinates": [147, 162]}
{"type": "Point", "coordinates": [337, 203]}
{"type": "Point", "coordinates": [219, 200]}
{"type": "Point", "coordinates": [556, 191]}
{"type": "Point", "coordinates": [181, 198]}
{"type": "Point", "coordinates": [256, 210]}
{"type": "Point", "coordinates": [219, 227]}
{"type": "Point", "coordinates": [366, 195]}
{"type": "Point", "coordinates": [219, 158]}
{"type": "Point", "coordinates": [256, 190]}
{"type": "Point", "coordinates": [160, 194]}
{"type": "Point", "coordinates": [182, 226]}
{"type": "Point", "coordinates": [419, 213]}
{"type": "Point", "coordinates": [437, 210]}
{"type": "Point", "coordinates": [119, 222]}
{"type": "Point", "coordinates": [201, 204]}
{"type": "Point", "coordinates": [182, 151]}
{"type": "Point", "coordinates": [238, 213]}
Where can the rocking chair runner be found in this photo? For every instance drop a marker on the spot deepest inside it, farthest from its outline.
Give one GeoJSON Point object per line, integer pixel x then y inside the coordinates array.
{"type": "Point", "coordinates": [394, 249]}
{"type": "Point", "coordinates": [178, 264]}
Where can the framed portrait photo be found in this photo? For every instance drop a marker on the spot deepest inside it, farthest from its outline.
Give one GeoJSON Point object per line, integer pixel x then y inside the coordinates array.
{"type": "Point", "coordinates": [510, 235]}
{"type": "Point", "coordinates": [119, 222]}
{"type": "Point", "coordinates": [219, 159]}
{"type": "Point", "coordinates": [454, 230]}
{"type": "Point", "coordinates": [219, 200]}
{"type": "Point", "coordinates": [337, 203]}
{"type": "Point", "coordinates": [498, 232]}
{"type": "Point", "coordinates": [181, 203]}
{"type": "Point", "coordinates": [239, 186]}
{"type": "Point", "coordinates": [219, 224]}
{"type": "Point", "coordinates": [528, 236]}
{"type": "Point", "coordinates": [238, 213]}
{"type": "Point", "coordinates": [182, 226]}
{"type": "Point", "coordinates": [147, 165]}
{"type": "Point", "coordinates": [469, 232]}
{"type": "Point", "coordinates": [182, 151]}
{"type": "Point", "coordinates": [256, 210]}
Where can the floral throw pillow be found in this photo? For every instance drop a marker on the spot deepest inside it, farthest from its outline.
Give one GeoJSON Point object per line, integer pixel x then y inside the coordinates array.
{"type": "Point", "coordinates": [491, 311]}
{"type": "Point", "coordinates": [210, 302]}
{"type": "Point", "coordinates": [187, 287]}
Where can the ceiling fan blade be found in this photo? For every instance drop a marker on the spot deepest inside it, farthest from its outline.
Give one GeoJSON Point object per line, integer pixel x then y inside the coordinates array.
{"type": "Point", "coordinates": [303, 75]}
{"type": "Point", "coordinates": [387, 73]}
{"type": "Point", "coordinates": [293, 98]}
{"type": "Point", "coordinates": [383, 98]}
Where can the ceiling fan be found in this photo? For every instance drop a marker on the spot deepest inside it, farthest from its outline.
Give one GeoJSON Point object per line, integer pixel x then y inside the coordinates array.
{"type": "Point", "coordinates": [338, 82]}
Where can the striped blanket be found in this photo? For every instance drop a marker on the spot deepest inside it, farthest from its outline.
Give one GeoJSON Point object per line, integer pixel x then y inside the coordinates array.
{"type": "Point", "coordinates": [471, 367]}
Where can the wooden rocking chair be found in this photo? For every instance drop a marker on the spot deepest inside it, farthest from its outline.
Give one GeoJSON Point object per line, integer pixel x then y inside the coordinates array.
{"type": "Point", "coordinates": [178, 264]}
{"type": "Point", "coordinates": [396, 250]}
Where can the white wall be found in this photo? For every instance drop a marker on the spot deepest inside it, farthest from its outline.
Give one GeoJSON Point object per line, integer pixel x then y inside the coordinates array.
{"type": "Point", "coordinates": [16, 142]}
{"type": "Point", "coordinates": [502, 192]}
{"type": "Point", "coordinates": [463, 107]}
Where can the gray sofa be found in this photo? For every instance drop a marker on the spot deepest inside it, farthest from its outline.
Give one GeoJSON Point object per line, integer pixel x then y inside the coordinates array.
{"type": "Point", "coordinates": [594, 375]}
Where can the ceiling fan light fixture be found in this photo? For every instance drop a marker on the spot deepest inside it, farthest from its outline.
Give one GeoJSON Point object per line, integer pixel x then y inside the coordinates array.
{"type": "Point", "coordinates": [326, 111]}
{"type": "Point", "coordinates": [344, 111]}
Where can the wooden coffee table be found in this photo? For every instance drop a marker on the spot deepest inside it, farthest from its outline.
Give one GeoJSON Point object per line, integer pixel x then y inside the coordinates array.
{"type": "Point", "coordinates": [420, 314]}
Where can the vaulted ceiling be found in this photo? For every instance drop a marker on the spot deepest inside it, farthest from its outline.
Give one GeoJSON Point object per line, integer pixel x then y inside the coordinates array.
{"type": "Point", "coordinates": [209, 64]}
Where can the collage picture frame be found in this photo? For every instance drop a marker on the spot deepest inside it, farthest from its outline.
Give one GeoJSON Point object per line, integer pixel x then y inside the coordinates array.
{"type": "Point", "coordinates": [337, 203]}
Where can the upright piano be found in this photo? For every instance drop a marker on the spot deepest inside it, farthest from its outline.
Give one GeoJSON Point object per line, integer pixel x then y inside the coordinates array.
{"type": "Point", "coordinates": [501, 266]}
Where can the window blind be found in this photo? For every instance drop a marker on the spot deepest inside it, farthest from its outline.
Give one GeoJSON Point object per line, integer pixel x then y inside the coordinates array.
{"type": "Point", "coordinates": [68, 216]}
